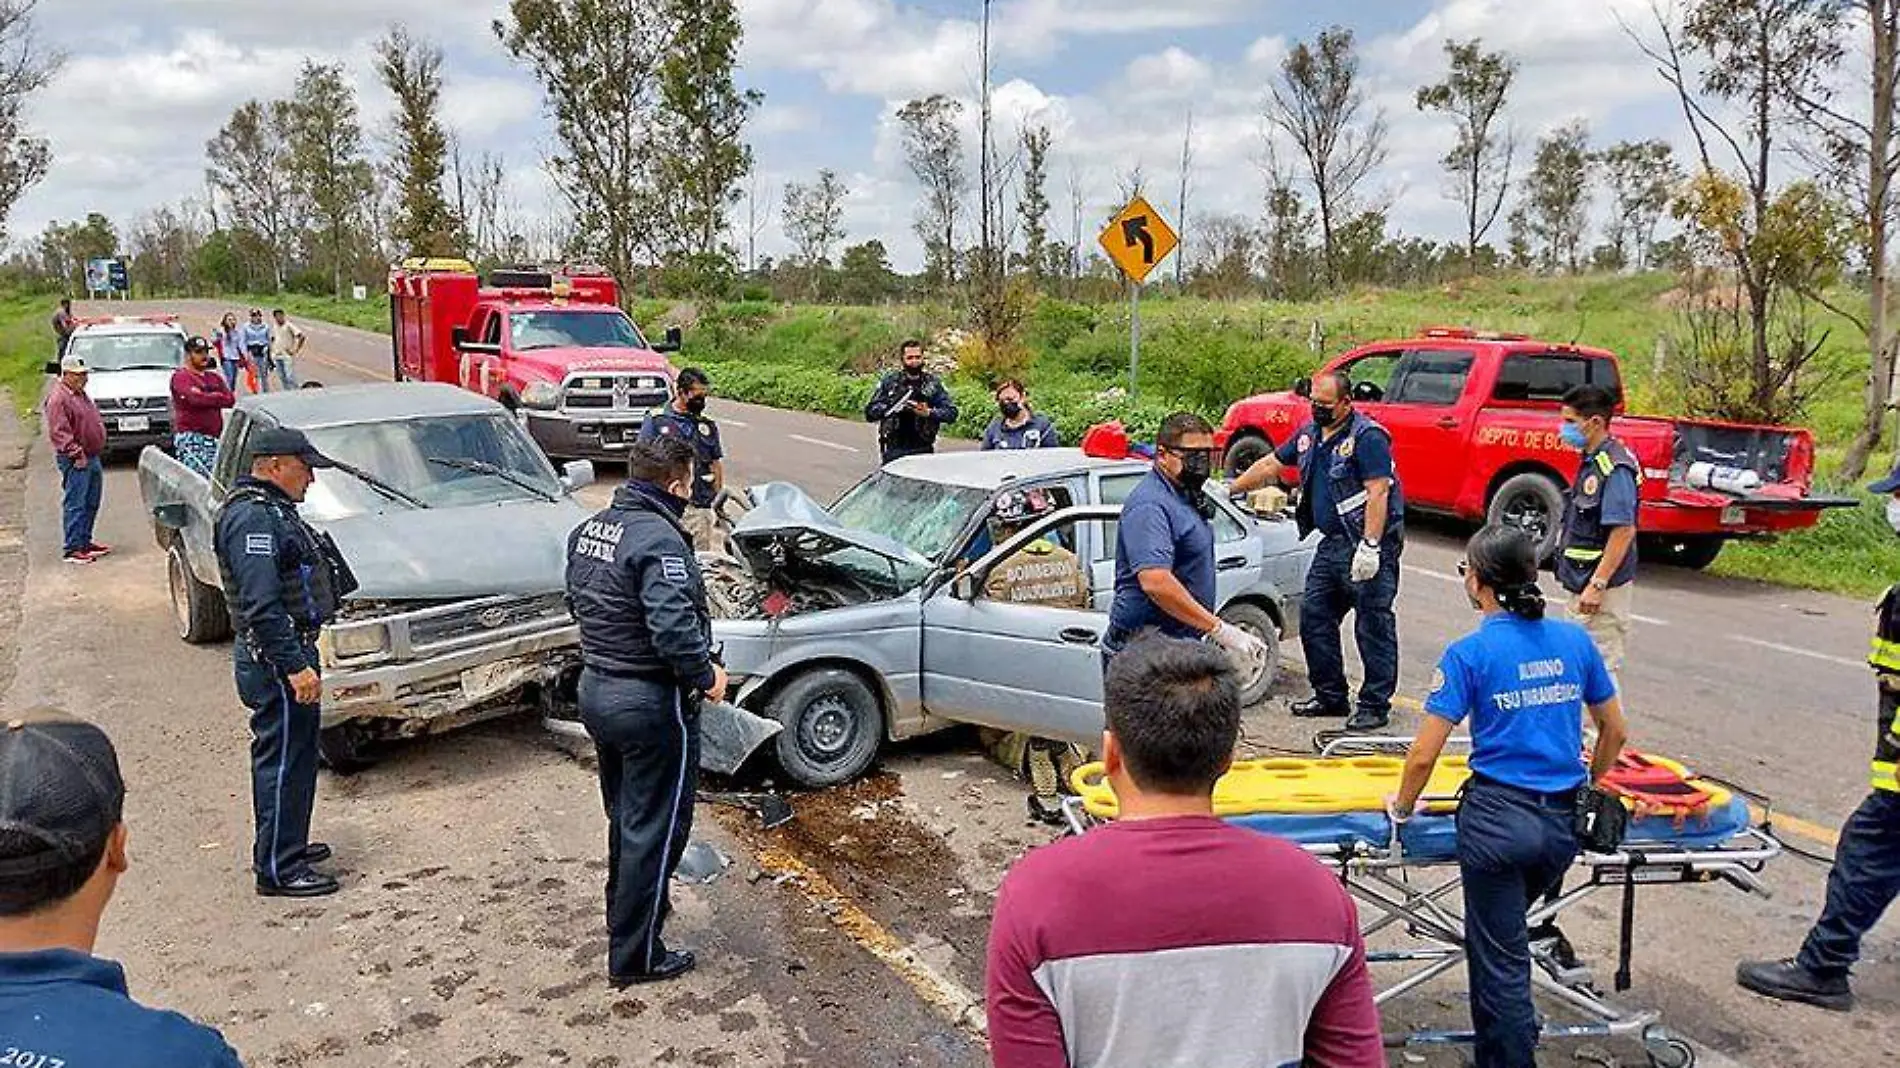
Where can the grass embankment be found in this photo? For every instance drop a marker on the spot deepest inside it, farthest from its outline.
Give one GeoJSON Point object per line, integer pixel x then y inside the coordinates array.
{"type": "Point", "coordinates": [26, 343]}
{"type": "Point", "coordinates": [371, 314]}
{"type": "Point", "coordinates": [1202, 355]}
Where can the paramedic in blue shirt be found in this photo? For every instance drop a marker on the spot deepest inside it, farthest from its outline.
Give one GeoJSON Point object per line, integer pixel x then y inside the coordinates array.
{"type": "Point", "coordinates": [1350, 493]}
{"type": "Point", "coordinates": [1016, 426]}
{"type": "Point", "coordinates": [1164, 549]}
{"type": "Point", "coordinates": [1520, 681]}
{"type": "Point", "coordinates": [62, 850]}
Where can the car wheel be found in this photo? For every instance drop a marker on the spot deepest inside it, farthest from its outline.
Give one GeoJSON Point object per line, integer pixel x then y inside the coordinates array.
{"type": "Point", "coordinates": [833, 725]}
{"type": "Point", "coordinates": [345, 748]}
{"type": "Point", "coordinates": [1693, 551]}
{"type": "Point", "coordinates": [1244, 453]}
{"type": "Point", "coordinates": [1534, 504]}
{"type": "Point", "coordinates": [198, 610]}
{"type": "Point", "coordinates": [1254, 620]}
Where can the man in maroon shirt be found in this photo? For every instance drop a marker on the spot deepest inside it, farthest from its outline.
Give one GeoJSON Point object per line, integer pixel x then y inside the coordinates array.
{"type": "Point", "coordinates": [1170, 937]}
{"type": "Point", "coordinates": [78, 435]}
{"type": "Point", "coordinates": [200, 394]}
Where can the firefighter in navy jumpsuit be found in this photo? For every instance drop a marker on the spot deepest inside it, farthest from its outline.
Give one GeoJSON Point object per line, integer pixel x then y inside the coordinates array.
{"type": "Point", "coordinates": [282, 581]}
{"type": "Point", "coordinates": [646, 649]}
{"type": "Point", "coordinates": [1866, 874]}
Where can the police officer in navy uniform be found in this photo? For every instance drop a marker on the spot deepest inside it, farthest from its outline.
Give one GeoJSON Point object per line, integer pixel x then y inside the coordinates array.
{"type": "Point", "coordinates": [909, 407]}
{"type": "Point", "coordinates": [1350, 493]}
{"type": "Point", "coordinates": [1866, 874]}
{"type": "Point", "coordinates": [1596, 553]}
{"type": "Point", "coordinates": [685, 418]}
{"type": "Point", "coordinates": [646, 649]}
{"type": "Point", "coordinates": [283, 581]}
{"type": "Point", "coordinates": [1016, 425]}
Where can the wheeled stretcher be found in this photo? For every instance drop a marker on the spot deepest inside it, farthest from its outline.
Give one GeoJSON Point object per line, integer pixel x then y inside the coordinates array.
{"type": "Point", "coordinates": [1406, 876]}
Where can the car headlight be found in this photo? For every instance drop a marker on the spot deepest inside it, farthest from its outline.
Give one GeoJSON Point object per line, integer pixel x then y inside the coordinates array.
{"type": "Point", "coordinates": [360, 640]}
{"type": "Point", "coordinates": [541, 395]}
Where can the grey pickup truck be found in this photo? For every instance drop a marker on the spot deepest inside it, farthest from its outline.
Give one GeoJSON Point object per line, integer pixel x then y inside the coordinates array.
{"type": "Point", "coordinates": [455, 525]}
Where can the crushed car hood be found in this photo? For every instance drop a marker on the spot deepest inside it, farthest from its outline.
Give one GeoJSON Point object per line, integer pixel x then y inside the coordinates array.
{"type": "Point", "coordinates": [428, 554]}
{"type": "Point", "coordinates": [784, 521]}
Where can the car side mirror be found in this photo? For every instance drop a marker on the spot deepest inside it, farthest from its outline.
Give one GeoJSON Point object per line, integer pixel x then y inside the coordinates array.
{"type": "Point", "coordinates": [964, 588]}
{"type": "Point", "coordinates": [458, 336]}
{"type": "Point", "coordinates": [52, 367]}
{"type": "Point", "coordinates": [1302, 387]}
{"type": "Point", "coordinates": [173, 516]}
{"type": "Point", "coordinates": [671, 342]}
{"type": "Point", "coordinates": [577, 474]}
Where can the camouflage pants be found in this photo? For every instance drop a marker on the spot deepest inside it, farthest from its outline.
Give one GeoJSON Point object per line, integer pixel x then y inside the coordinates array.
{"type": "Point", "coordinates": [1044, 764]}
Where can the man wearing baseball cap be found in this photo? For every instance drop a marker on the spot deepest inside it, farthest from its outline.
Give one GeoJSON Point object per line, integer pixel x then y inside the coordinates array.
{"type": "Point", "coordinates": [78, 435]}
{"type": "Point", "coordinates": [283, 582]}
{"type": "Point", "coordinates": [62, 850]}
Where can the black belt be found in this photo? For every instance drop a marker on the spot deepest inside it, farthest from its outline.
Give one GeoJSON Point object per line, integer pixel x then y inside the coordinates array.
{"type": "Point", "coordinates": [1559, 799]}
{"type": "Point", "coordinates": [652, 674]}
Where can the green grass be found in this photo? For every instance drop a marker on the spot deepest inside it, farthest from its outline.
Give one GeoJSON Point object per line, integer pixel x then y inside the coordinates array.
{"type": "Point", "coordinates": [1202, 355]}
{"type": "Point", "coordinates": [371, 314]}
{"type": "Point", "coordinates": [26, 343]}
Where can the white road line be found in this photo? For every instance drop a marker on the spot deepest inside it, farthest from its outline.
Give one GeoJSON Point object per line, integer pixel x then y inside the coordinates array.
{"type": "Point", "coordinates": [1427, 572]}
{"type": "Point", "coordinates": [732, 422]}
{"type": "Point", "coordinates": [822, 443]}
{"type": "Point", "coordinates": [1780, 648]}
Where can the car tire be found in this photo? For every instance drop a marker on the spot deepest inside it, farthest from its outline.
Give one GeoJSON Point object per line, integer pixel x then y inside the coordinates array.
{"type": "Point", "coordinates": [1534, 503]}
{"type": "Point", "coordinates": [345, 748]}
{"type": "Point", "coordinates": [1245, 452]}
{"type": "Point", "coordinates": [832, 724]}
{"type": "Point", "coordinates": [198, 611]}
{"type": "Point", "coordinates": [1255, 621]}
{"type": "Point", "coordinates": [1693, 551]}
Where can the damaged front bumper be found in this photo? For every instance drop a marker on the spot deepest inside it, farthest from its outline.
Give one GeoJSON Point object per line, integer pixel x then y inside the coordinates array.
{"type": "Point", "coordinates": [438, 668]}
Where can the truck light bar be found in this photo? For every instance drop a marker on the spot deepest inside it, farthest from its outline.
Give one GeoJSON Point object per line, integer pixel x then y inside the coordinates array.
{"type": "Point", "coordinates": [122, 320]}
{"type": "Point", "coordinates": [1465, 333]}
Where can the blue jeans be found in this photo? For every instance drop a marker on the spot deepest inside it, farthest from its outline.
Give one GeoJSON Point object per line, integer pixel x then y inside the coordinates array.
{"type": "Point", "coordinates": [283, 766]}
{"type": "Point", "coordinates": [285, 372]}
{"type": "Point", "coordinates": [233, 373]}
{"type": "Point", "coordinates": [1513, 845]}
{"type": "Point", "coordinates": [1330, 594]}
{"type": "Point", "coordinates": [80, 487]}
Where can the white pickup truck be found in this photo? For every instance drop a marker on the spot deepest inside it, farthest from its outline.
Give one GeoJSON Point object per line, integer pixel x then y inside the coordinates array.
{"type": "Point", "coordinates": [455, 525]}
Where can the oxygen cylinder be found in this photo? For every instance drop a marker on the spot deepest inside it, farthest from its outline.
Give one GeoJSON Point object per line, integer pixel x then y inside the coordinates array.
{"type": "Point", "coordinates": [1723, 479]}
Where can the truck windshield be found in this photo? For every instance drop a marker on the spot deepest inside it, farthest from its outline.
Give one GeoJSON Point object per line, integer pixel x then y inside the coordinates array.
{"type": "Point", "coordinates": [400, 453]}
{"type": "Point", "coordinates": [124, 352]}
{"type": "Point", "coordinates": [925, 516]}
{"type": "Point", "coordinates": [573, 329]}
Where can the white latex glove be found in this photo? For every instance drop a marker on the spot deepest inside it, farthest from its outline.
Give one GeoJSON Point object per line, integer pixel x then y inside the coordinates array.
{"type": "Point", "coordinates": [1365, 562]}
{"type": "Point", "coordinates": [1244, 648]}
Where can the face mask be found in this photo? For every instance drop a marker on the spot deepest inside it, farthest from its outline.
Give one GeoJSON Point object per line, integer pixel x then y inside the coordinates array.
{"type": "Point", "coordinates": [696, 405]}
{"type": "Point", "coordinates": [1323, 415]}
{"type": "Point", "coordinates": [1893, 514]}
{"type": "Point", "coordinates": [1195, 469]}
{"type": "Point", "coordinates": [1572, 435]}
{"type": "Point", "coordinates": [915, 370]}
{"type": "Point", "coordinates": [1011, 409]}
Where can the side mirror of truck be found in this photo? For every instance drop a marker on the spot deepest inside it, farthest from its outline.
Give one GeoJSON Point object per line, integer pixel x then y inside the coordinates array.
{"type": "Point", "coordinates": [671, 342]}
{"type": "Point", "coordinates": [577, 474]}
{"type": "Point", "coordinates": [964, 588]}
{"type": "Point", "coordinates": [1302, 387]}
{"type": "Point", "coordinates": [458, 336]}
{"type": "Point", "coordinates": [52, 367]}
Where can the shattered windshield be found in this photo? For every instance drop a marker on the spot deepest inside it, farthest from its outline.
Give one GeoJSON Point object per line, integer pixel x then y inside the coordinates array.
{"type": "Point", "coordinates": [925, 516]}
{"type": "Point", "coordinates": [607, 329]}
{"type": "Point", "coordinates": [505, 465]}
{"type": "Point", "coordinates": [124, 352]}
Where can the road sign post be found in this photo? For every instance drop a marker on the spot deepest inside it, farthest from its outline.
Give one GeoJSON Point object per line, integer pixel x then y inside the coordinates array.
{"type": "Point", "coordinates": [1137, 239]}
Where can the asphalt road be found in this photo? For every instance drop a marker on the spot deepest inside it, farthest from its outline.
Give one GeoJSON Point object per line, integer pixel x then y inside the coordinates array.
{"type": "Point", "coordinates": [468, 932]}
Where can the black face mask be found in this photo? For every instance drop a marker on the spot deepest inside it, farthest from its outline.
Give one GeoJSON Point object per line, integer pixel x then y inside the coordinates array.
{"type": "Point", "coordinates": [1011, 409]}
{"type": "Point", "coordinates": [696, 405]}
{"type": "Point", "coordinates": [1196, 467]}
{"type": "Point", "coordinates": [1324, 415]}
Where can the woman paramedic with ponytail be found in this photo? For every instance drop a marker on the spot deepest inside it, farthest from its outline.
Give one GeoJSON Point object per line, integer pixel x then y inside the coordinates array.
{"type": "Point", "coordinates": [1522, 682]}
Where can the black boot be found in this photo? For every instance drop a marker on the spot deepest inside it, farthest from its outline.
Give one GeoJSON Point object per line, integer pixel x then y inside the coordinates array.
{"type": "Point", "coordinates": [1364, 722]}
{"type": "Point", "coordinates": [1785, 980]}
{"type": "Point", "coordinates": [1314, 708]}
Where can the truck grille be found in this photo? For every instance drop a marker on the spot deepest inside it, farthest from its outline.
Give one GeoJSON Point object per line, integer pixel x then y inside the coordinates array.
{"type": "Point", "coordinates": [489, 616]}
{"type": "Point", "coordinates": [614, 392]}
{"type": "Point", "coordinates": [134, 404]}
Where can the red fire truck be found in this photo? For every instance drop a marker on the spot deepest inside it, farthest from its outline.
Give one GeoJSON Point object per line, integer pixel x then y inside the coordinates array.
{"type": "Point", "coordinates": [550, 344]}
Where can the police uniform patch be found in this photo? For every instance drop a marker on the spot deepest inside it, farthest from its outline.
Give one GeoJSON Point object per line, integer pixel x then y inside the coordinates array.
{"type": "Point", "coordinates": [258, 545]}
{"type": "Point", "coordinates": [1345, 449]}
{"type": "Point", "coordinates": [1590, 485]}
{"type": "Point", "coordinates": [706, 429]}
{"type": "Point", "coordinates": [1305, 442]}
{"type": "Point", "coordinates": [674, 568]}
{"type": "Point", "coordinates": [1438, 679]}
{"type": "Point", "coordinates": [666, 428]}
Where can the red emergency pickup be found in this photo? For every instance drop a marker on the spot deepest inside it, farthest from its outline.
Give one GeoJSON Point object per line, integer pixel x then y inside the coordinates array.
{"type": "Point", "coordinates": [1474, 421]}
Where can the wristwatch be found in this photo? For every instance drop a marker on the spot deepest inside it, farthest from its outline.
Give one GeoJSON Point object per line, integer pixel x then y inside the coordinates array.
{"type": "Point", "coordinates": [1599, 585]}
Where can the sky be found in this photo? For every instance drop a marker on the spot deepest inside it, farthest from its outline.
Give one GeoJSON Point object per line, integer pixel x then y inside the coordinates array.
{"type": "Point", "coordinates": [147, 82]}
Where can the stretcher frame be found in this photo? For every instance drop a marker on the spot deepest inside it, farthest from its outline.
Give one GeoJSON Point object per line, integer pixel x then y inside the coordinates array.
{"type": "Point", "coordinates": [1381, 877]}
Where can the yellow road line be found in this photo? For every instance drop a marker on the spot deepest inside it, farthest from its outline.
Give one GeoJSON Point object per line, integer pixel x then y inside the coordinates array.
{"type": "Point", "coordinates": [939, 991]}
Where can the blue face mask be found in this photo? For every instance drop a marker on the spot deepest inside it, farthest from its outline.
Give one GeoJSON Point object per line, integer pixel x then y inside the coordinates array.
{"type": "Point", "coordinates": [1572, 435]}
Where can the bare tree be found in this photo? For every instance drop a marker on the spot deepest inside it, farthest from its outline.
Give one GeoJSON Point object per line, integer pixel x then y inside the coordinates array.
{"type": "Point", "coordinates": [814, 223]}
{"type": "Point", "coordinates": [1132, 183]}
{"type": "Point", "coordinates": [1078, 209]}
{"type": "Point", "coordinates": [756, 213]}
{"type": "Point", "coordinates": [1181, 201]}
{"type": "Point", "coordinates": [27, 64]}
{"type": "Point", "coordinates": [1322, 107]}
{"type": "Point", "coordinates": [934, 150]}
{"type": "Point", "coordinates": [1473, 93]}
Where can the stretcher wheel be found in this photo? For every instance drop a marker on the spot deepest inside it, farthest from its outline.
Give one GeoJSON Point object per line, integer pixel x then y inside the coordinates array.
{"type": "Point", "coordinates": [1667, 1051]}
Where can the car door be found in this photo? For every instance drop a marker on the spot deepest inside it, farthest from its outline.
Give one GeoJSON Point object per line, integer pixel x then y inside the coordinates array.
{"type": "Point", "coordinates": [1110, 490]}
{"type": "Point", "coordinates": [1425, 414]}
{"type": "Point", "coordinates": [1236, 556]}
{"type": "Point", "coordinates": [1018, 667]}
